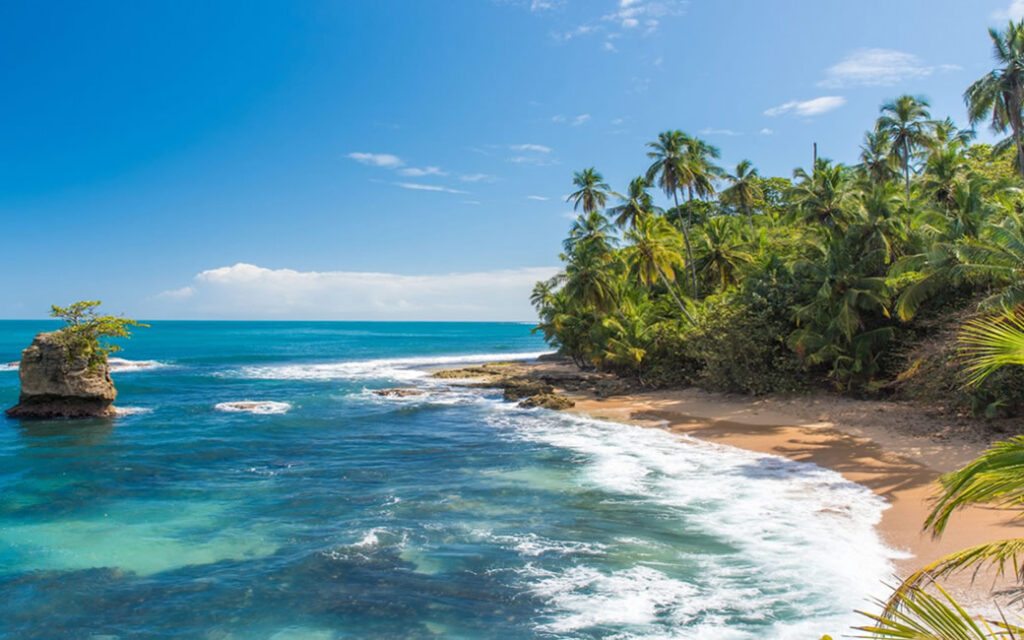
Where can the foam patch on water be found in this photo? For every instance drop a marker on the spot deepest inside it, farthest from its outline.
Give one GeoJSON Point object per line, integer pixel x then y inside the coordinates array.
{"type": "Point", "coordinates": [399, 369]}
{"type": "Point", "coordinates": [117, 365]}
{"type": "Point", "coordinates": [121, 365]}
{"type": "Point", "coordinates": [532, 545]}
{"type": "Point", "coordinates": [433, 394]}
{"type": "Point", "coordinates": [131, 411]}
{"type": "Point", "coordinates": [800, 549]}
{"type": "Point", "coordinates": [257, 407]}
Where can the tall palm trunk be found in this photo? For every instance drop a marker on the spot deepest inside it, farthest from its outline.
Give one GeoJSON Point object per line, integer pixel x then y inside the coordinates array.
{"type": "Point", "coordinates": [675, 297]}
{"type": "Point", "coordinates": [906, 165]}
{"type": "Point", "coordinates": [686, 239]}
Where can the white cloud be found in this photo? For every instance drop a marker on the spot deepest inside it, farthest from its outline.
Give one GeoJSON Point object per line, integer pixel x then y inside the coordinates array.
{"type": "Point", "coordinates": [377, 159]}
{"type": "Point", "coordinates": [246, 291]}
{"type": "Point", "coordinates": [609, 46]}
{"type": "Point", "coordinates": [1014, 12]}
{"type": "Point", "coordinates": [542, 198]}
{"type": "Point", "coordinates": [626, 3]}
{"type": "Point", "coordinates": [539, 148]}
{"type": "Point", "coordinates": [766, 132]}
{"type": "Point", "coordinates": [477, 177]}
{"type": "Point", "coordinates": [629, 23]}
{"type": "Point", "coordinates": [808, 108]}
{"type": "Point", "coordinates": [471, 202]}
{"type": "Point", "coordinates": [583, 118]}
{"type": "Point", "coordinates": [708, 131]}
{"type": "Point", "coordinates": [538, 161]}
{"type": "Point", "coordinates": [425, 171]}
{"type": "Point", "coordinates": [878, 67]}
{"type": "Point", "coordinates": [558, 118]}
{"type": "Point", "coordinates": [178, 294]}
{"type": "Point", "coordinates": [427, 187]}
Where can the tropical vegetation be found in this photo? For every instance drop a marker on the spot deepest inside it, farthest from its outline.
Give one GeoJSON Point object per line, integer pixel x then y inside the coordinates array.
{"type": "Point", "coordinates": [86, 334]}
{"type": "Point", "coordinates": [846, 277]}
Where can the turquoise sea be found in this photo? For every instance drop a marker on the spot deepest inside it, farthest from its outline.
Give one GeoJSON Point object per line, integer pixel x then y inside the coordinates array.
{"type": "Point", "coordinates": [331, 512]}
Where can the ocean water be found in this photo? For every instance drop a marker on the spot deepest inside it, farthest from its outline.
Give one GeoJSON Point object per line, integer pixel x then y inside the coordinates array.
{"type": "Point", "coordinates": [325, 511]}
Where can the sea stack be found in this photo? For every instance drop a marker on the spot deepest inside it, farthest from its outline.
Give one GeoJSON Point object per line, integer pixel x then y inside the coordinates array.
{"type": "Point", "coordinates": [56, 385]}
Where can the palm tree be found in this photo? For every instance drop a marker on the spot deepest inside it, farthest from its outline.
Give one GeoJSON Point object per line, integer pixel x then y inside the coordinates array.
{"type": "Point", "coordinates": [653, 255]}
{"type": "Point", "coordinates": [592, 193]}
{"type": "Point", "coordinates": [745, 189]}
{"type": "Point", "coordinates": [672, 173]}
{"type": "Point", "coordinates": [876, 157]}
{"type": "Point", "coordinates": [703, 172]}
{"type": "Point", "coordinates": [905, 122]}
{"type": "Point", "coordinates": [593, 230]}
{"type": "Point", "coordinates": [636, 204]}
{"type": "Point", "coordinates": [827, 196]}
{"type": "Point", "coordinates": [946, 135]}
{"type": "Point", "coordinates": [589, 281]}
{"type": "Point", "coordinates": [722, 254]}
{"type": "Point", "coordinates": [999, 94]}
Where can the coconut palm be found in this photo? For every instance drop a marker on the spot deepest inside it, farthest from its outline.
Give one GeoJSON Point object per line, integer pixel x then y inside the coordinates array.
{"type": "Point", "coordinates": [997, 258]}
{"type": "Point", "coordinates": [592, 193]}
{"type": "Point", "coordinates": [591, 229]}
{"type": "Point", "coordinates": [745, 189]}
{"type": "Point", "coordinates": [999, 94]}
{"type": "Point", "coordinates": [723, 254]}
{"type": "Point", "coordinates": [876, 159]}
{"type": "Point", "coordinates": [590, 280]}
{"type": "Point", "coordinates": [827, 196]}
{"type": "Point", "coordinates": [636, 204]}
{"type": "Point", "coordinates": [670, 171]}
{"type": "Point", "coordinates": [699, 157]}
{"type": "Point", "coordinates": [653, 255]}
{"type": "Point", "coordinates": [946, 135]}
{"type": "Point", "coordinates": [905, 123]}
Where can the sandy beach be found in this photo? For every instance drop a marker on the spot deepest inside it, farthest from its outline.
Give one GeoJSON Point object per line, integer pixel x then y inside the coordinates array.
{"type": "Point", "coordinates": [896, 449]}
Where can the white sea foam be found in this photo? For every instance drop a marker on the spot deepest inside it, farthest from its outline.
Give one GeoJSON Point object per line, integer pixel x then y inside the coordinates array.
{"type": "Point", "coordinates": [400, 369]}
{"type": "Point", "coordinates": [117, 365]}
{"type": "Point", "coordinates": [532, 545]}
{"type": "Point", "coordinates": [804, 538]}
{"type": "Point", "coordinates": [258, 407]}
{"type": "Point", "coordinates": [121, 365]}
{"type": "Point", "coordinates": [131, 411]}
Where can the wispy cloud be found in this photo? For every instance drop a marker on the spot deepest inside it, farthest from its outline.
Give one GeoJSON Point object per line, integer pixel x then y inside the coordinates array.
{"type": "Point", "coordinates": [708, 131]}
{"type": "Point", "coordinates": [427, 187]}
{"type": "Point", "coordinates": [477, 177]}
{"type": "Point", "coordinates": [766, 132]}
{"type": "Point", "coordinates": [416, 172]}
{"type": "Point", "coordinates": [541, 198]}
{"type": "Point", "coordinates": [807, 108]}
{"type": "Point", "coordinates": [539, 148]}
{"type": "Point", "coordinates": [1014, 12]}
{"type": "Point", "coordinates": [247, 291]}
{"type": "Point", "coordinates": [878, 67]}
{"type": "Point", "coordinates": [377, 159]}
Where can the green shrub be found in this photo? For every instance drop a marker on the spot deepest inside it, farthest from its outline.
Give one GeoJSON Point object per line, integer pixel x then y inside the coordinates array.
{"type": "Point", "coordinates": [85, 333]}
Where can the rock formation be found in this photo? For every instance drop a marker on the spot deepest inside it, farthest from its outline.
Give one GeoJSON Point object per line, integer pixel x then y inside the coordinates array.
{"type": "Point", "coordinates": [55, 385]}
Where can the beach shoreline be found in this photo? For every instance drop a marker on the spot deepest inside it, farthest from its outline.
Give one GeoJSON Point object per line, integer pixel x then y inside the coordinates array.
{"type": "Point", "coordinates": [895, 449]}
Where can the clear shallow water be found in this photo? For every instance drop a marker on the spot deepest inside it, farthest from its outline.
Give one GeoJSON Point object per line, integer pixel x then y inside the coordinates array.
{"type": "Point", "coordinates": [336, 513]}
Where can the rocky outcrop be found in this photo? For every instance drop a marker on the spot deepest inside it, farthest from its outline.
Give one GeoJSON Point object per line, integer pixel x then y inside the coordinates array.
{"type": "Point", "coordinates": [55, 385]}
{"type": "Point", "coordinates": [519, 388]}
{"type": "Point", "coordinates": [548, 401]}
{"type": "Point", "coordinates": [399, 392]}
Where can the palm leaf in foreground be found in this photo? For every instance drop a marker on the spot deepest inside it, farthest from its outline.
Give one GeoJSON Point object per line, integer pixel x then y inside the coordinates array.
{"type": "Point", "coordinates": [935, 617]}
{"type": "Point", "coordinates": [992, 342]}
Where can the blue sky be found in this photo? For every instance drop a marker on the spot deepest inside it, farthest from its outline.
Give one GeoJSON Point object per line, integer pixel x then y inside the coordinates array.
{"type": "Point", "coordinates": [404, 160]}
